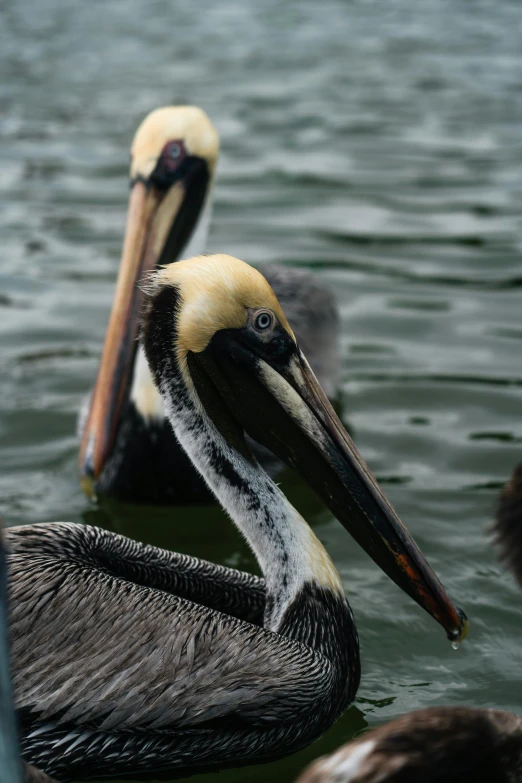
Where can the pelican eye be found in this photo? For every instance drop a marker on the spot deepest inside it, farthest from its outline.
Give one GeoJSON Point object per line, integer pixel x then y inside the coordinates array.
{"type": "Point", "coordinates": [174, 151]}
{"type": "Point", "coordinates": [263, 320]}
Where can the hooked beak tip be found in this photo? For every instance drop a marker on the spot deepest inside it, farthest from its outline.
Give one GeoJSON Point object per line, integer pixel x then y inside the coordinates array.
{"type": "Point", "coordinates": [458, 634]}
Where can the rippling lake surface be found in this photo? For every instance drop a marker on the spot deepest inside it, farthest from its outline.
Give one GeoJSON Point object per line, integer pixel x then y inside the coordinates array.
{"type": "Point", "coordinates": [378, 144]}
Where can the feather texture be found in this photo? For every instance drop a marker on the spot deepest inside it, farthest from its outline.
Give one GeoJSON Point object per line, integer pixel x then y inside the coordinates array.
{"type": "Point", "coordinates": [107, 655]}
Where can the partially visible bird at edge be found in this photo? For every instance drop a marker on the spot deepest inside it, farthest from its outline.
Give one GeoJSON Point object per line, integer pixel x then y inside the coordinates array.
{"type": "Point", "coordinates": [12, 768]}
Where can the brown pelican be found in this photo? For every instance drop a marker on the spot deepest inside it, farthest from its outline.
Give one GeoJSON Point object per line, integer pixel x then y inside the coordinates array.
{"type": "Point", "coordinates": [449, 744]}
{"type": "Point", "coordinates": [132, 661]}
{"type": "Point", "coordinates": [12, 768]}
{"type": "Point", "coordinates": [128, 449]}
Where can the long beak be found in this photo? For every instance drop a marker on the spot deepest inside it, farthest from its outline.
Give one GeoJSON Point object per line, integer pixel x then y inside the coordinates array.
{"type": "Point", "coordinates": [284, 408]}
{"type": "Point", "coordinates": [159, 224]}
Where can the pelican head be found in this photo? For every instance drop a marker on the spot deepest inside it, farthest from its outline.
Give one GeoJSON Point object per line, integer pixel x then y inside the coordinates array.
{"type": "Point", "coordinates": [173, 158]}
{"type": "Point", "coordinates": [218, 342]}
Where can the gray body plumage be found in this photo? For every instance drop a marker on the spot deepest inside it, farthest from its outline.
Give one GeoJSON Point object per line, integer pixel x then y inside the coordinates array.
{"type": "Point", "coordinates": [117, 673]}
{"type": "Point", "coordinates": [12, 768]}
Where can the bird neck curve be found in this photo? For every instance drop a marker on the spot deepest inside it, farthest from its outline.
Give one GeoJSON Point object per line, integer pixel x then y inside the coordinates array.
{"type": "Point", "coordinates": [287, 550]}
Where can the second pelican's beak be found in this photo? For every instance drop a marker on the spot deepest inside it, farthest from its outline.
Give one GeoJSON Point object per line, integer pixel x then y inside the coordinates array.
{"type": "Point", "coordinates": [274, 396]}
{"type": "Point", "coordinates": [164, 206]}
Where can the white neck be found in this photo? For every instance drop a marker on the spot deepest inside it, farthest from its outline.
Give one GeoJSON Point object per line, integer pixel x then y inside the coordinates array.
{"type": "Point", "coordinates": [287, 550]}
{"type": "Point", "coordinates": [144, 394]}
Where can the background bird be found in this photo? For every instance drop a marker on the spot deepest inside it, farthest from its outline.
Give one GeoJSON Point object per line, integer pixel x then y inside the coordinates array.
{"type": "Point", "coordinates": [128, 449]}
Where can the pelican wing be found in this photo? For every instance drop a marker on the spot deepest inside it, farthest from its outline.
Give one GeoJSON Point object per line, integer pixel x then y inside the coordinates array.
{"type": "Point", "coordinates": [92, 646]}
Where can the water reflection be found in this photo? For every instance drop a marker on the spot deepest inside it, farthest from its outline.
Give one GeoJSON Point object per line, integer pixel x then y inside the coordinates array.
{"type": "Point", "coordinates": [202, 531]}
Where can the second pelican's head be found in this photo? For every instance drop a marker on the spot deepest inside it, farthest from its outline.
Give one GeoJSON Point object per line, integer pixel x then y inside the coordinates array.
{"type": "Point", "coordinates": [215, 336]}
{"type": "Point", "coordinates": [173, 158]}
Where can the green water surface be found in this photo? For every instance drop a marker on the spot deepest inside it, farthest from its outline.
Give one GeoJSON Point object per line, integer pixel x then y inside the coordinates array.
{"type": "Point", "coordinates": [378, 144]}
